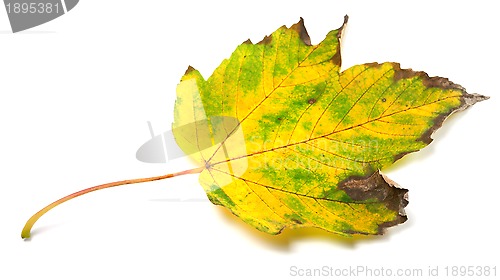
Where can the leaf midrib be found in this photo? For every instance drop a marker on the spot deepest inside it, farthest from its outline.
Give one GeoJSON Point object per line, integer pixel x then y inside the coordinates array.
{"type": "Point", "coordinates": [322, 136]}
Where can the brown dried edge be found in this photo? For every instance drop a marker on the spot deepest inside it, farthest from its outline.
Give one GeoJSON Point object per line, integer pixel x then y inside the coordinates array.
{"type": "Point", "coordinates": [383, 189]}
{"type": "Point", "coordinates": [300, 28]}
{"type": "Point", "coordinates": [189, 70]}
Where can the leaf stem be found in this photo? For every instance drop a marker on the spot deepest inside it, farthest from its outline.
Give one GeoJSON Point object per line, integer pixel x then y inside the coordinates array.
{"type": "Point", "coordinates": [26, 233]}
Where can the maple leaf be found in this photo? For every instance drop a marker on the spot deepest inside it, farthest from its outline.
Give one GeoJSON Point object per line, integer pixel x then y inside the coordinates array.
{"type": "Point", "coordinates": [286, 140]}
{"type": "Point", "coordinates": [310, 140]}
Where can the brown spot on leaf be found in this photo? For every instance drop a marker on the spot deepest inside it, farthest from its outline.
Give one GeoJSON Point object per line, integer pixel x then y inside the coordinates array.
{"type": "Point", "coordinates": [440, 82]}
{"type": "Point", "coordinates": [311, 101]}
{"type": "Point", "coordinates": [373, 186]}
{"type": "Point", "coordinates": [469, 99]}
{"type": "Point", "coordinates": [189, 70]}
{"type": "Point", "coordinates": [341, 29]}
{"type": "Point", "coordinates": [399, 220]}
{"type": "Point", "coordinates": [266, 40]}
{"type": "Point", "coordinates": [248, 42]}
{"type": "Point", "coordinates": [437, 82]}
{"type": "Point", "coordinates": [373, 64]}
{"type": "Point", "coordinates": [377, 186]}
{"type": "Point", "coordinates": [405, 73]}
{"type": "Point", "coordinates": [301, 30]}
{"type": "Point", "coordinates": [337, 57]}
{"type": "Point", "coordinates": [438, 122]}
{"type": "Point", "coordinates": [400, 155]}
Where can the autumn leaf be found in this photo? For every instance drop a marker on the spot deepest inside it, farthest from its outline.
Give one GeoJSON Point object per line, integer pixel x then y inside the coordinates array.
{"type": "Point", "coordinates": [310, 140]}
{"type": "Point", "coordinates": [284, 139]}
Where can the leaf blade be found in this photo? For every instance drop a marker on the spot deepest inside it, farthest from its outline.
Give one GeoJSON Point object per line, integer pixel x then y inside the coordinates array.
{"type": "Point", "coordinates": [315, 138]}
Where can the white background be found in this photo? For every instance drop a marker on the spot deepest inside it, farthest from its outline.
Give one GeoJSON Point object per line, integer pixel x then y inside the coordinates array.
{"type": "Point", "coordinates": [76, 94]}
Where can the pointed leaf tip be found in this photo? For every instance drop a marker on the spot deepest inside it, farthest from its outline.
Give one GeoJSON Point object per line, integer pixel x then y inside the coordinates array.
{"type": "Point", "coordinates": [266, 40]}
{"type": "Point", "coordinates": [300, 28]}
{"type": "Point", "coordinates": [337, 58]}
{"type": "Point", "coordinates": [346, 19]}
{"type": "Point", "coordinates": [189, 70]}
{"type": "Point", "coordinates": [341, 28]}
{"type": "Point", "coordinates": [469, 99]}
